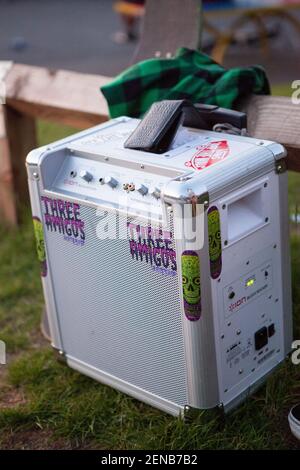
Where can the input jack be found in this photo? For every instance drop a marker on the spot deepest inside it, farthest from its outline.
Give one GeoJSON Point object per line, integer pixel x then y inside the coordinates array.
{"type": "Point", "coordinates": [131, 187]}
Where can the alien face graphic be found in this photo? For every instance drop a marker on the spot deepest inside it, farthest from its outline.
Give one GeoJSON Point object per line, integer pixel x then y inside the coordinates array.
{"type": "Point", "coordinates": [214, 235]}
{"type": "Point", "coordinates": [190, 278]}
{"type": "Point", "coordinates": [40, 244]}
{"type": "Point", "coordinates": [215, 243]}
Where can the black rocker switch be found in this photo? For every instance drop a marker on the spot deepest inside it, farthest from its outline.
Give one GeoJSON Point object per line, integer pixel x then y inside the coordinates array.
{"type": "Point", "coordinates": [271, 330]}
{"type": "Point", "coordinates": [261, 338]}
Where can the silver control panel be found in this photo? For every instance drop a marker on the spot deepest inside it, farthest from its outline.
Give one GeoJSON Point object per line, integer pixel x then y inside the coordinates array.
{"type": "Point", "coordinates": [106, 182]}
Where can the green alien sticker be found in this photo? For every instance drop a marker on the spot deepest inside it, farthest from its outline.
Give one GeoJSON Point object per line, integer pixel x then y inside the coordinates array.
{"type": "Point", "coordinates": [40, 244]}
{"type": "Point", "coordinates": [190, 266]}
{"type": "Point", "coordinates": [215, 242]}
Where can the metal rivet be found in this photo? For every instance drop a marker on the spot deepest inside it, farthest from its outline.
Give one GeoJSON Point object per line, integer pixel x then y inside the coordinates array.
{"type": "Point", "coordinates": [241, 371]}
{"type": "Point", "coordinates": [35, 175]}
{"type": "Point", "coordinates": [238, 332]}
{"type": "Point", "coordinates": [229, 323]}
{"type": "Point", "coordinates": [226, 390]}
{"type": "Point", "coordinates": [265, 185]}
{"type": "Point", "coordinates": [267, 219]}
{"type": "Point", "coordinates": [142, 167]}
{"type": "Point", "coordinates": [106, 159]}
{"type": "Point", "coordinates": [223, 336]}
{"type": "Point", "coordinates": [275, 246]}
{"type": "Point", "coordinates": [226, 242]}
{"type": "Point", "coordinates": [224, 206]}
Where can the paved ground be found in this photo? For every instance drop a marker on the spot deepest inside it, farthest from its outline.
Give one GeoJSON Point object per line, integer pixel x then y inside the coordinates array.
{"type": "Point", "coordinates": [76, 34]}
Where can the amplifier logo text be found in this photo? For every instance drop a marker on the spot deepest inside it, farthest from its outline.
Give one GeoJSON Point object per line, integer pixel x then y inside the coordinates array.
{"type": "Point", "coordinates": [153, 246]}
{"type": "Point", "coordinates": [64, 217]}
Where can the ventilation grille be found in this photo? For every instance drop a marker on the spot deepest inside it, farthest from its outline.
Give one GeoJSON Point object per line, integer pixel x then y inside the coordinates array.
{"type": "Point", "coordinates": [116, 313]}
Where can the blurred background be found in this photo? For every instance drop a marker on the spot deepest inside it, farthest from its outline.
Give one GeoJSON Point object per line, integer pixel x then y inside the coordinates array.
{"type": "Point", "coordinates": [81, 35]}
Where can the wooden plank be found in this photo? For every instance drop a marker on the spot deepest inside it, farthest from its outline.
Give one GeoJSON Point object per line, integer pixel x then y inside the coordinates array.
{"type": "Point", "coordinates": [74, 118]}
{"type": "Point", "coordinates": [21, 138]}
{"type": "Point", "coordinates": [278, 119]}
{"type": "Point", "coordinates": [73, 98]}
{"type": "Point", "coordinates": [7, 198]}
{"type": "Point", "coordinates": [62, 96]}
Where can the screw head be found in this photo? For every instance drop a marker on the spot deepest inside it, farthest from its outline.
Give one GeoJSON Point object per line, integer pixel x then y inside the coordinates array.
{"type": "Point", "coordinates": [35, 175]}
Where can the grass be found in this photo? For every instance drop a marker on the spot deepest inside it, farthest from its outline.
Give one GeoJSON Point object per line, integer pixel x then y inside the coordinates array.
{"type": "Point", "coordinates": [44, 404]}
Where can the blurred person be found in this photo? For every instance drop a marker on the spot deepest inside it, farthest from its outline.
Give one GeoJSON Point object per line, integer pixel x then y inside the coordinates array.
{"type": "Point", "coordinates": [130, 12]}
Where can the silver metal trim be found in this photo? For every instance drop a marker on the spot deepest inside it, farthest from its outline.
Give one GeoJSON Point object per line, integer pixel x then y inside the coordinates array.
{"type": "Point", "coordinates": [125, 387]}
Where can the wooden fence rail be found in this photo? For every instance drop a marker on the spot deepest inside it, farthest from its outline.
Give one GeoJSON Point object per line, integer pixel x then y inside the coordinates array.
{"type": "Point", "coordinates": [74, 99]}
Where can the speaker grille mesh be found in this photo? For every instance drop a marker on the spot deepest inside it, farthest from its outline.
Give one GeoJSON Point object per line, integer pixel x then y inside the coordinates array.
{"type": "Point", "coordinates": [117, 314]}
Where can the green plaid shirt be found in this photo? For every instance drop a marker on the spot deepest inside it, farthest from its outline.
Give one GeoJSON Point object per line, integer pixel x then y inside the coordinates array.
{"type": "Point", "coordinates": [189, 75]}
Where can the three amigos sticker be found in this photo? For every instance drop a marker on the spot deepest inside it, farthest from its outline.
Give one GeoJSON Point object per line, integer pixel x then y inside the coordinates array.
{"type": "Point", "coordinates": [191, 287]}
{"type": "Point", "coordinates": [64, 217]}
{"type": "Point", "coordinates": [214, 242]}
{"type": "Point", "coordinates": [209, 154]}
{"type": "Point", "coordinates": [40, 244]}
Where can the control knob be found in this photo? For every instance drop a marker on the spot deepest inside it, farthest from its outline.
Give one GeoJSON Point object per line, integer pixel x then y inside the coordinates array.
{"type": "Point", "coordinates": [155, 192]}
{"type": "Point", "coordinates": [86, 175]}
{"type": "Point", "coordinates": [112, 182]}
{"type": "Point", "coordinates": [142, 189]}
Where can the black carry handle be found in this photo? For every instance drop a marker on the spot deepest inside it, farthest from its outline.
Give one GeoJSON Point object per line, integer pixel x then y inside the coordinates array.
{"type": "Point", "coordinates": [158, 128]}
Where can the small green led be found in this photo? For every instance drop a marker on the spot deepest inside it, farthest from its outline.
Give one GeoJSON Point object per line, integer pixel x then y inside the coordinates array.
{"type": "Point", "coordinates": [250, 282]}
